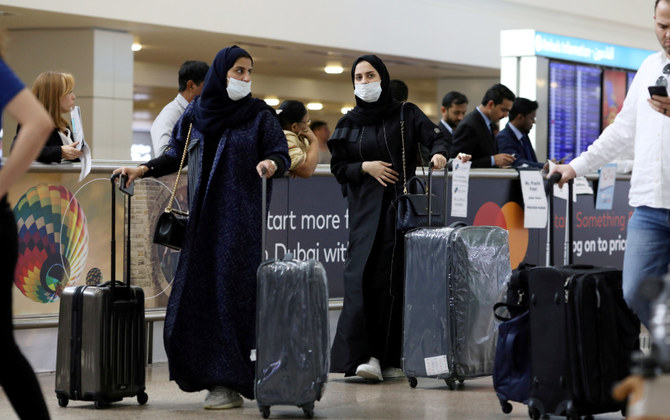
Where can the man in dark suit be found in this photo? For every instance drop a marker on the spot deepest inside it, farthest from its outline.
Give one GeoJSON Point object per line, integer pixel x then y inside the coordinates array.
{"type": "Point", "coordinates": [474, 134]}
{"type": "Point", "coordinates": [454, 106]}
{"type": "Point", "coordinates": [513, 139]}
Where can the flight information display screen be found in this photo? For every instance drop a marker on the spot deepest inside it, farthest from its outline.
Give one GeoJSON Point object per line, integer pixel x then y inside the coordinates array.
{"type": "Point", "coordinates": [631, 76]}
{"type": "Point", "coordinates": [574, 108]}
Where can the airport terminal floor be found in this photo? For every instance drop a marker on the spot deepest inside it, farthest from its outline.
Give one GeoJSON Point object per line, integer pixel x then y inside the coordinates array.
{"type": "Point", "coordinates": [343, 399]}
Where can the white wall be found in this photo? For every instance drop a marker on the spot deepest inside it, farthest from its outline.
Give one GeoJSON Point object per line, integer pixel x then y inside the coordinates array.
{"type": "Point", "coordinates": [456, 31]}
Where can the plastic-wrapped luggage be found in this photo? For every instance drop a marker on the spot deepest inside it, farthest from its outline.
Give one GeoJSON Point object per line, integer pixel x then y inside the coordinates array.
{"type": "Point", "coordinates": [292, 333]}
{"type": "Point", "coordinates": [101, 350]}
{"type": "Point", "coordinates": [453, 277]}
{"type": "Point", "coordinates": [292, 336]}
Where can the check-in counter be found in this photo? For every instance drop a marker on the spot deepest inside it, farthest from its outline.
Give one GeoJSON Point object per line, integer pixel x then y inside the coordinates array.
{"type": "Point", "coordinates": [65, 228]}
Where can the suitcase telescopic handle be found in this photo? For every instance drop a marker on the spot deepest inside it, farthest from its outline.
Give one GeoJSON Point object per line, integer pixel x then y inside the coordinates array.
{"type": "Point", "coordinates": [567, 243]}
{"type": "Point", "coordinates": [113, 239]}
{"type": "Point", "coordinates": [264, 202]}
{"type": "Point", "coordinates": [430, 194]}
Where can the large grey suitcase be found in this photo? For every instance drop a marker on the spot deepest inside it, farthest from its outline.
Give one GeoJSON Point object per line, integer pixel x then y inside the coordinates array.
{"type": "Point", "coordinates": [292, 336]}
{"type": "Point", "coordinates": [453, 277]}
{"type": "Point", "coordinates": [101, 350]}
{"type": "Point", "coordinates": [292, 331]}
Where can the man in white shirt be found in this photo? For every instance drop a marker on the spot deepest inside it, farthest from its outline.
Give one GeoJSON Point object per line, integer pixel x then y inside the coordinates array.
{"type": "Point", "coordinates": [643, 127]}
{"type": "Point", "coordinates": [191, 79]}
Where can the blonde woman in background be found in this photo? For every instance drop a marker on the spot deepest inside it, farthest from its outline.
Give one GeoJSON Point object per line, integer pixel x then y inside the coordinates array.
{"type": "Point", "coordinates": [16, 376]}
{"type": "Point", "coordinates": [55, 91]}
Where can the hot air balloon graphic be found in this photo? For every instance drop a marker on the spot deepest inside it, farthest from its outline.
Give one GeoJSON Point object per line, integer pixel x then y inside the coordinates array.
{"type": "Point", "coordinates": [53, 242]}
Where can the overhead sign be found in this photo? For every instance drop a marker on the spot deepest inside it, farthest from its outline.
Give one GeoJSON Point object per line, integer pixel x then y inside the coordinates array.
{"type": "Point", "coordinates": [523, 42]}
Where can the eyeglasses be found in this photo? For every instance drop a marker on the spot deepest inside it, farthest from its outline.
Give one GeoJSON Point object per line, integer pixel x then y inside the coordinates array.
{"type": "Point", "coordinates": [662, 81]}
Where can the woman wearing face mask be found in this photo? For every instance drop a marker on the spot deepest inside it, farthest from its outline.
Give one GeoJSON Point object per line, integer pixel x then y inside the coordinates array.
{"type": "Point", "coordinates": [55, 91]}
{"type": "Point", "coordinates": [367, 160]}
{"type": "Point", "coordinates": [210, 320]}
{"type": "Point", "coordinates": [303, 146]}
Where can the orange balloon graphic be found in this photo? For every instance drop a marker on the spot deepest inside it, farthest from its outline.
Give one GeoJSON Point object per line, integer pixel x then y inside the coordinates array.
{"type": "Point", "coordinates": [510, 217]}
{"type": "Point", "coordinates": [518, 235]}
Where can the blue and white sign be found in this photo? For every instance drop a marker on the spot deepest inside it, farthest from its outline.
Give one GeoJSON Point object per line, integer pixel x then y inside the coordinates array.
{"type": "Point", "coordinates": [591, 52]}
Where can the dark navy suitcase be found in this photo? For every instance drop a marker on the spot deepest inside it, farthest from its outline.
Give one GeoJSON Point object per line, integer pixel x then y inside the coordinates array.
{"type": "Point", "coordinates": [101, 350]}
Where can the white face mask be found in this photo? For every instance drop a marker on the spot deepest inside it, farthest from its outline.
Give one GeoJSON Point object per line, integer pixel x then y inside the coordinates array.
{"type": "Point", "coordinates": [368, 92]}
{"type": "Point", "coordinates": [237, 89]}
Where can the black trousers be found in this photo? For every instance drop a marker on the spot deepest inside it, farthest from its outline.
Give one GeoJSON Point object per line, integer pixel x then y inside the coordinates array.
{"type": "Point", "coordinates": [16, 375]}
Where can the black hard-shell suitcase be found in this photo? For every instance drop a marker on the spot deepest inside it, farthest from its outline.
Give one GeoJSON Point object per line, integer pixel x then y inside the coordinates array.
{"type": "Point", "coordinates": [292, 332]}
{"type": "Point", "coordinates": [101, 350]}
{"type": "Point", "coordinates": [582, 336]}
{"type": "Point", "coordinates": [453, 277]}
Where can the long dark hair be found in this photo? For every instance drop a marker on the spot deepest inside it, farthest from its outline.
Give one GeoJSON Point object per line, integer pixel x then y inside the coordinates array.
{"type": "Point", "coordinates": [291, 112]}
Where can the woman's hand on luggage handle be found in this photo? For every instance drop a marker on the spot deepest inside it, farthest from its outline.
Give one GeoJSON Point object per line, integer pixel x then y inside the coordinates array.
{"type": "Point", "coordinates": [381, 171]}
{"type": "Point", "coordinates": [131, 172]}
{"type": "Point", "coordinates": [438, 161]}
{"type": "Point", "coordinates": [270, 168]}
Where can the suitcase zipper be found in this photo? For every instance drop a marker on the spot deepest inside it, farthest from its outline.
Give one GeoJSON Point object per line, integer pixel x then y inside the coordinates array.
{"type": "Point", "coordinates": [566, 288]}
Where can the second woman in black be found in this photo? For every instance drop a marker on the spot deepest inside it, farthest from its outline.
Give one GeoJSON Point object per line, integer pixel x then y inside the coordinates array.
{"type": "Point", "coordinates": [367, 160]}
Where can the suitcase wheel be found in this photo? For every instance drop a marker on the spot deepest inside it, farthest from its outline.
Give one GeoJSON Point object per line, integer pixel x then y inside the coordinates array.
{"type": "Point", "coordinates": [142, 398]}
{"type": "Point", "coordinates": [534, 413]}
{"type": "Point", "coordinates": [265, 411]}
{"type": "Point", "coordinates": [412, 382]}
{"type": "Point", "coordinates": [506, 407]}
{"type": "Point", "coordinates": [450, 383]}
{"type": "Point", "coordinates": [101, 403]}
{"type": "Point", "coordinates": [63, 401]}
{"type": "Point", "coordinates": [308, 409]}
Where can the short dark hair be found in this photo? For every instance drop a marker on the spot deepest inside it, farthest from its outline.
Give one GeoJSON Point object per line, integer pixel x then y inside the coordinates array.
{"type": "Point", "coordinates": [291, 112]}
{"type": "Point", "coordinates": [522, 106]}
{"type": "Point", "coordinates": [315, 125]}
{"type": "Point", "coordinates": [497, 93]}
{"type": "Point", "coordinates": [399, 90]}
{"type": "Point", "coordinates": [454, 98]}
{"type": "Point", "coordinates": [192, 70]}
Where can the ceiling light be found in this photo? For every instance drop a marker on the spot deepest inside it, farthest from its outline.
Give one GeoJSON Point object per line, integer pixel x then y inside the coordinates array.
{"type": "Point", "coordinates": [272, 101]}
{"type": "Point", "coordinates": [136, 46]}
{"type": "Point", "coordinates": [346, 109]}
{"type": "Point", "coordinates": [315, 106]}
{"type": "Point", "coordinates": [333, 69]}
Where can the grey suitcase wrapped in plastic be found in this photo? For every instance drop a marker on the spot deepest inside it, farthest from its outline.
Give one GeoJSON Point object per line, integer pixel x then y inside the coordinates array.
{"type": "Point", "coordinates": [292, 334]}
{"type": "Point", "coordinates": [453, 277]}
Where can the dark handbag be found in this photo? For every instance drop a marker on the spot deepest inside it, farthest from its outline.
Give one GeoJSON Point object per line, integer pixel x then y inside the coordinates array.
{"type": "Point", "coordinates": [170, 229]}
{"type": "Point", "coordinates": [171, 225]}
{"type": "Point", "coordinates": [414, 209]}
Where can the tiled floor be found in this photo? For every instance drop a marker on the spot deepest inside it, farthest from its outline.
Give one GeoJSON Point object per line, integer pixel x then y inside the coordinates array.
{"type": "Point", "coordinates": [343, 399]}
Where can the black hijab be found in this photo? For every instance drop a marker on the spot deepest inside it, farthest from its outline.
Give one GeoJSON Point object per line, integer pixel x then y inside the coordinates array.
{"type": "Point", "coordinates": [370, 113]}
{"type": "Point", "coordinates": [215, 111]}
